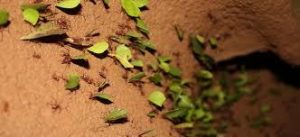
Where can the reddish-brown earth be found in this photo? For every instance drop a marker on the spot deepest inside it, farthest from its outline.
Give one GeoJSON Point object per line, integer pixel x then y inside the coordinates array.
{"type": "Point", "coordinates": [33, 103]}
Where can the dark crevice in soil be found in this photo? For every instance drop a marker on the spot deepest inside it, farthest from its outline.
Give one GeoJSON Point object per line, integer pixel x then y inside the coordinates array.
{"type": "Point", "coordinates": [285, 72]}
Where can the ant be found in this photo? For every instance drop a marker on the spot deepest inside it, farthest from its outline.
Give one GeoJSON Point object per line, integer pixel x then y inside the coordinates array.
{"type": "Point", "coordinates": [62, 22]}
{"type": "Point", "coordinates": [87, 79]}
{"type": "Point", "coordinates": [101, 73]}
{"type": "Point", "coordinates": [55, 77]}
{"type": "Point", "coordinates": [35, 55]}
{"type": "Point", "coordinates": [55, 106]}
{"type": "Point", "coordinates": [66, 58]}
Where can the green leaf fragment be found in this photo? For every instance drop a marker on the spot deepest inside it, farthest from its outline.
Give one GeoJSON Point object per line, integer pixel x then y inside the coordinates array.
{"type": "Point", "coordinates": [45, 30]}
{"type": "Point", "coordinates": [174, 71]}
{"type": "Point", "coordinates": [200, 39]}
{"type": "Point", "coordinates": [176, 113]}
{"type": "Point", "coordinates": [131, 8]}
{"type": "Point", "coordinates": [137, 77]}
{"type": "Point", "coordinates": [213, 42]}
{"type": "Point", "coordinates": [184, 125]}
{"type": "Point", "coordinates": [106, 2]}
{"type": "Point", "coordinates": [137, 63]}
{"type": "Point", "coordinates": [140, 3]}
{"type": "Point", "coordinates": [31, 16]}
{"type": "Point", "coordinates": [164, 59]}
{"type": "Point", "coordinates": [36, 6]}
{"type": "Point", "coordinates": [205, 75]}
{"type": "Point", "coordinates": [265, 108]}
{"type": "Point", "coordinates": [156, 79]}
{"type": "Point", "coordinates": [116, 114]}
{"type": "Point", "coordinates": [142, 26]}
{"type": "Point", "coordinates": [83, 57]}
{"type": "Point", "coordinates": [157, 98]}
{"type": "Point", "coordinates": [99, 47]}
{"type": "Point", "coordinates": [123, 54]}
{"type": "Point", "coordinates": [185, 102]}
{"type": "Point", "coordinates": [179, 31]}
{"type": "Point", "coordinates": [4, 15]}
{"type": "Point", "coordinates": [165, 67]}
{"type": "Point", "coordinates": [152, 114]}
{"type": "Point", "coordinates": [134, 34]}
{"type": "Point", "coordinates": [68, 4]}
{"type": "Point", "coordinates": [147, 44]}
{"type": "Point", "coordinates": [104, 97]}
{"type": "Point", "coordinates": [73, 81]}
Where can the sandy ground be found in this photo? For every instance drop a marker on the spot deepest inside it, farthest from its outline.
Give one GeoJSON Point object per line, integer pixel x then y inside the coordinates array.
{"type": "Point", "coordinates": [28, 92]}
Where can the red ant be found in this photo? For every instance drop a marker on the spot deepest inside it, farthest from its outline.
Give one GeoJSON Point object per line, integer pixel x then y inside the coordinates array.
{"type": "Point", "coordinates": [66, 58]}
{"type": "Point", "coordinates": [87, 79]}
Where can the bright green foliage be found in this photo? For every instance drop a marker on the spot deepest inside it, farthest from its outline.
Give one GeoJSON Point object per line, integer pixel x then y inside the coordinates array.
{"type": "Point", "coordinates": [73, 81]}
{"type": "Point", "coordinates": [205, 75]}
{"type": "Point", "coordinates": [134, 34]}
{"type": "Point", "coordinates": [45, 30]}
{"type": "Point", "coordinates": [184, 125]}
{"type": "Point", "coordinates": [137, 77]}
{"type": "Point", "coordinates": [116, 114]}
{"type": "Point", "coordinates": [104, 97]}
{"type": "Point", "coordinates": [131, 8]}
{"type": "Point", "coordinates": [156, 79]}
{"type": "Point", "coordinates": [142, 26]}
{"type": "Point", "coordinates": [140, 3]}
{"type": "Point", "coordinates": [123, 54]}
{"type": "Point", "coordinates": [99, 47]}
{"type": "Point", "coordinates": [174, 71]}
{"type": "Point", "coordinates": [137, 63]}
{"type": "Point", "coordinates": [213, 42]}
{"type": "Point", "coordinates": [31, 16]}
{"type": "Point", "coordinates": [157, 98]}
{"type": "Point", "coordinates": [68, 4]}
{"type": "Point", "coordinates": [4, 15]}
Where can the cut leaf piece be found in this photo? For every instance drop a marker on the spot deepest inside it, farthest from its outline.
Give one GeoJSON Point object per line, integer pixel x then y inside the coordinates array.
{"type": "Point", "coordinates": [142, 26]}
{"type": "Point", "coordinates": [179, 31]}
{"type": "Point", "coordinates": [134, 34]}
{"type": "Point", "coordinates": [140, 3]}
{"type": "Point", "coordinates": [156, 79]}
{"type": "Point", "coordinates": [104, 97]}
{"type": "Point", "coordinates": [73, 81]}
{"type": "Point", "coordinates": [137, 63]}
{"type": "Point", "coordinates": [174, 71]}
{"type": "Point", "coordinates": [205, 75]}
{"type": "Point", "coordinates": [36, 6]}
{"type": "Point", "coordinates": [185, 125]}
{"type": "Point", "coordinates": [116, 114]}
{"type": "Point", "coordinates": [131, 8]}
{"type": "Point", "coordinates": [99, 47]}
{"type": "Point", "coordinates": [213, 42]}
{"type": "Point", "coordinates": [78, 41]}
{"type": "Point", "coordinates": [4, 15]}
{"type": "Point", "coordinates": [123, 54]}
{"type": "Point", "coordinates": [157, 98]}
{"type": "Point", "coordinates": [68, 4]}
{"type": "Point", "coordinates": [31, 16]}
{"type": "Point", "coordinates": [164, 59]}
{"type": "Point", "coordinates": [83, 57]}
{"type": "Point", "coordinates": [165, 67]}
{"type": "Point", "coordinates": [137, 77]}
{"type": "Point", "coordinates": [45, 30]}
{"type": "Point", "coordinates": [106, 3]}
